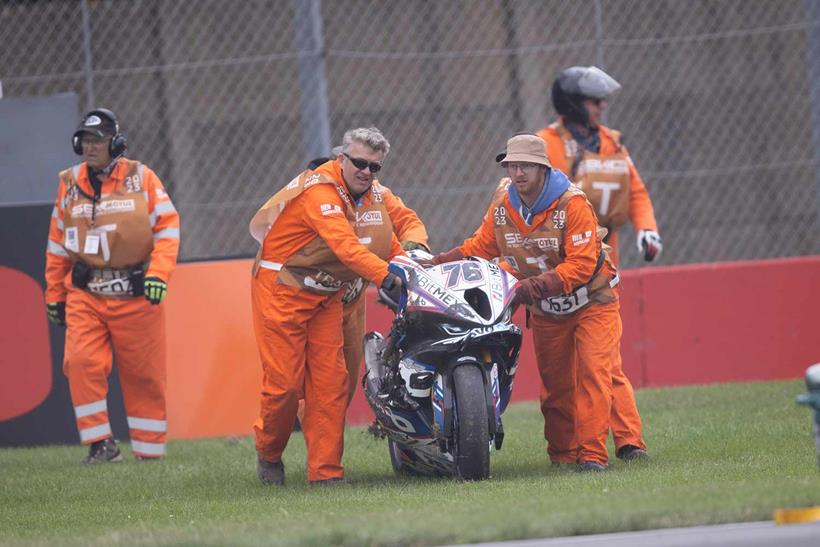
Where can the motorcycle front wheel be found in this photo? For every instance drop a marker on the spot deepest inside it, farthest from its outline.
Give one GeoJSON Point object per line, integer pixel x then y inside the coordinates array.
{"type": "Point", "coordinates": [472, 433]}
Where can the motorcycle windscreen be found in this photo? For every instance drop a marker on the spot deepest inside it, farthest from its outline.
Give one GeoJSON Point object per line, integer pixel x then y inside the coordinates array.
{"type": "Point", "coordinates": [475, 291]}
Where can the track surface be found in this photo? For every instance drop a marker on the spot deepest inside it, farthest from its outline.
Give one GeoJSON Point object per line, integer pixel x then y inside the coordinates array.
{"type": "Point", "coordinates": [751, 534]}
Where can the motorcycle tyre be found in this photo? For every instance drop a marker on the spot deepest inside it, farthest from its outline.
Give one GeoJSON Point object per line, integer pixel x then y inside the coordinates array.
{"type": "Point", "coordinates": [472, 433]}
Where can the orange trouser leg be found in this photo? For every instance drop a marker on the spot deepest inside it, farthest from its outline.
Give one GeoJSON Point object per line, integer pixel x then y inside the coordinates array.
{"type": "Point", "coordinates": [353, 328]}
{"type": "Point", "coordinates": [326, 388]}
{"type": "Point", "coordinates": [259, 294]}
{"type": "Point", "coordinates": [138, 336]}
{"type": "Point", "coordinates": [300, 345]}
{"type": "Point", "coordinates": [625, 420]}
{"type": "Point", "coordinates": [281, 337]}
{"type": "Point", "coordinates": [598, 343]}
{"type": "Point", "coordinates": [87, 363]}
{"type": "Point", "coordinates": [575, 358]}
{"type": "Point", "coordinates": [554, 344]}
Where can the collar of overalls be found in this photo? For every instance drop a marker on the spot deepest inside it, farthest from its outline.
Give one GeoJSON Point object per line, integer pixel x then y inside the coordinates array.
{"type": "Point", "coordinates": [591, 142]}
{"type": "Point", "coordinates": [555, 184]}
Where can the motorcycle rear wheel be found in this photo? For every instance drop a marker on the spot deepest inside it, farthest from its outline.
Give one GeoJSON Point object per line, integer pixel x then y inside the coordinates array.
{"type": "Point", "coordinates": [472, 433]}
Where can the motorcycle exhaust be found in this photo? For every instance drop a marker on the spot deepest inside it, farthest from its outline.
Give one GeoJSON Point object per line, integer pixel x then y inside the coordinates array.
{"type": "Point", "coordinates": [373, 362]}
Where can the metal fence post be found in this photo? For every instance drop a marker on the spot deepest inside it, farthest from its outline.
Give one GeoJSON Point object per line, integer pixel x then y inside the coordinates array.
{"type": "Point", "coordinates": [88, 65]}
{"type": "Point", "coordinates": [511, 42]}
{"type": "Point", "coordinates": [313, 84]}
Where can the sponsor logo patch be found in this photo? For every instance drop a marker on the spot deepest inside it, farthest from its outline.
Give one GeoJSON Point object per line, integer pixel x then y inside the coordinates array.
{"type": "Point", "coordinates": [581, 239]}
{"type": "Point", "coordinates": [103, 208]}
{"type": "Point", "coordinates": [92, 121]}
{"type": "Point", "coordinates": [344, 196]}
{"type": "Point", "coordinates": [369, 218]}
{"type": "Point", "coordinates": [592, 165]}
{"type": "Point", "coordinates": [515, 240]}
{"type": "Point", "coordinates": [330, 209]}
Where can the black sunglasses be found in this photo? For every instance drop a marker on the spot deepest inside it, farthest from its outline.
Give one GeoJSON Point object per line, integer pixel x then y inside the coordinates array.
{"type": "Point", "coordinates": [360, 163]}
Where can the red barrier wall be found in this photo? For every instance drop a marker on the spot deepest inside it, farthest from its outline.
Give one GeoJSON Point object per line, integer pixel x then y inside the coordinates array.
{"type": "Point", "coordinates": [682, 325]}
{"type": "Point", "coordinates": [732, 321]}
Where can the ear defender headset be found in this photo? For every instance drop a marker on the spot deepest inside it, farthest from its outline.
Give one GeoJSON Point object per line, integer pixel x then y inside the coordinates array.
{"type": "Point", "coordinates": [118, 144]}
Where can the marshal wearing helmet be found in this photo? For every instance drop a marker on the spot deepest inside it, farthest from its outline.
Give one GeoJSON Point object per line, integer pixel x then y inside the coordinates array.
{"type": "Point", "coordinates": [595, 158]}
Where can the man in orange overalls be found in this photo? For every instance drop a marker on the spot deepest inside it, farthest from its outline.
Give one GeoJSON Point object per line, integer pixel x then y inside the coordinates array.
{"type": "Point", "coordinates": [314, 240]}
{"type": "Point", "coordinates": [595, 159]}
{"type": "Point", "coordinates": [546, 231]}
{"type": "Point", "coordinates": [112, 245]}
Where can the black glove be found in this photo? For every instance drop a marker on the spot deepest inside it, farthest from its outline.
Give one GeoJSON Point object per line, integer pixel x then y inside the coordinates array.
{"type": "Point", "coordinates": [390, 291]}
{"type": "Point", "coordinates": [56, 313]}
{"type": "Point", "coordinates": [391, 282]}
{"type": "Point", "coordinates": [80, 273]}
{"type": "Point", "coordinates": [155, 289]}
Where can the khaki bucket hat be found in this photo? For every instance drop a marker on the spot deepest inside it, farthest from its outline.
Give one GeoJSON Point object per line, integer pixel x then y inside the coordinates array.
{"type": "Point", "coordinates": [525, 148]}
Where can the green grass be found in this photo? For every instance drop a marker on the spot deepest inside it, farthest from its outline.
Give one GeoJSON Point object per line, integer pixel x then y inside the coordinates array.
{"type": "Point", "coordinates": [722, 453]}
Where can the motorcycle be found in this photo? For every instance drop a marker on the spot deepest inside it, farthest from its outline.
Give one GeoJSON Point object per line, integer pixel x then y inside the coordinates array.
{"type": "Point", "coordinates": [440, 380]}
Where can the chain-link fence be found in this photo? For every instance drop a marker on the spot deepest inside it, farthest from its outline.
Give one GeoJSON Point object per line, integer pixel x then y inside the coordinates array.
{"type": "Point", "coordinates": [227, 101]}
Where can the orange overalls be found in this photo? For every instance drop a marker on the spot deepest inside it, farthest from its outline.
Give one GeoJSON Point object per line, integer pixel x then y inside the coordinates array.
{"type": "Point", "coordinates": [576, 335]}
{"type": "Point", "coordinates": [133, 223]}
{"type": "Point", "coordinates": [408, 227]}
{"type": "Point", "coordinates": [309, 250]}
{"type": "Point", "coordinates": [617, 192]}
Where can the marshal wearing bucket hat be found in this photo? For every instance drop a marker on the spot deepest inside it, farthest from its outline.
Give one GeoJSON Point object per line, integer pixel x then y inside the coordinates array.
{"type": "Point", "coordinates": [544, 231]}
{"type": "Point", "coordinates": [524, 147]}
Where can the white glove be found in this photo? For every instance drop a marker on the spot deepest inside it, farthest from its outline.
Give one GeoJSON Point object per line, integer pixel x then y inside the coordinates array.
{"type": "Point", "coordinates": [650, 244]}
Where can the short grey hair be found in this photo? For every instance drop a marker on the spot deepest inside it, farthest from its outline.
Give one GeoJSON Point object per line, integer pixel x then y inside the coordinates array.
{"type": "Point", "coordinates": [370, 136]}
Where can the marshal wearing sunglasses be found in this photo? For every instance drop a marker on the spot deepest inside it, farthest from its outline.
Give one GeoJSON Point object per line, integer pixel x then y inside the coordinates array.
{"type": "Point", "coordinates": [329, 227]}
{"type": "Point", "coordinates": [361, 163]}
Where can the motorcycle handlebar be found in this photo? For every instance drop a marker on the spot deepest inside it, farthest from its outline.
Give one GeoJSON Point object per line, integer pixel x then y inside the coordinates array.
{"type": "Point", "coordinates": [390, 298]}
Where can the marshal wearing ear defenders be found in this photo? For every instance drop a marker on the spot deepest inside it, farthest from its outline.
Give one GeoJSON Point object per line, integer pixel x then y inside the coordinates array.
{"type": "Point", "coordinates": [112, 244]}
{"type": "Point", "coordinates": [102, 123]}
